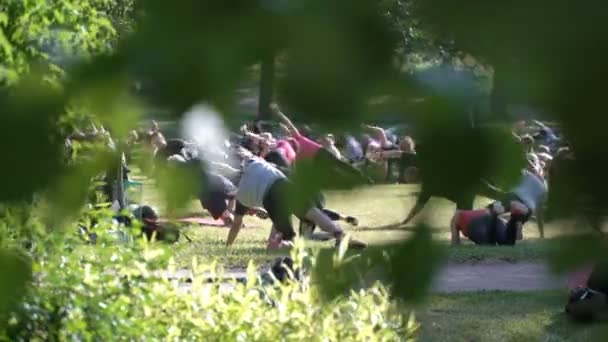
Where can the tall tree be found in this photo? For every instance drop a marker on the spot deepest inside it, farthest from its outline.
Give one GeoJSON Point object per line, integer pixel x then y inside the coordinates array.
{"type": "Point", "coordinates": [267, 81]}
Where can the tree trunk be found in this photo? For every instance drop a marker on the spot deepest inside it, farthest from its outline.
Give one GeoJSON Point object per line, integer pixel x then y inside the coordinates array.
{"type": "Point", "coordinates": [266, 87]}
{"type": "Point", "coordinates": [499, 96]}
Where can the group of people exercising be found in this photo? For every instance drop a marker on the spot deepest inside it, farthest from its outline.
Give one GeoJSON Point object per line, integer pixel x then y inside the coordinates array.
{"type": "Point", "coordinates": [270, 178]}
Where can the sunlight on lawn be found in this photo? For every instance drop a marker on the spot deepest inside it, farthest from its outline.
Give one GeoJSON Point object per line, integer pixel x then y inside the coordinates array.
{"type": "Point", "coordinates": [502, 316]}
{"type": "Point", "coordinates": [380, 209]}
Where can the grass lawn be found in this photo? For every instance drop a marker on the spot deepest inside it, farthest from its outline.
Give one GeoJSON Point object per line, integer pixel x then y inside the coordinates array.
{"type": "Point", "coordinates": [379, 208]}
{"type": "Point", "coordinates": [503, 316]}
{"type": "Point", "coordinates": [473, 316]}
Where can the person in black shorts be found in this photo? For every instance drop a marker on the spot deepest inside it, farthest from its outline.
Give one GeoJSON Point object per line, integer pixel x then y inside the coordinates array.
{"type": "Point", "coordinates": [479, 227]}
{"type": "Point", "coordinates": [463, 198]}
{"type": "Point", "coordinates": [217, 196]}
{"type": "Point", "coordinates": [263, 185]}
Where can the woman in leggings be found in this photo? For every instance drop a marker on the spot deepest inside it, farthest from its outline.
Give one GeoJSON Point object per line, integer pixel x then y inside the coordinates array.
{"type": "Point", "coordinates": [307, 227]}
{"type": "Point", "coordinates": [263, 185]}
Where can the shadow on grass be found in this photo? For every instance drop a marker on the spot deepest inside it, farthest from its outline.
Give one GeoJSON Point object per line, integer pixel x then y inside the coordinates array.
{"type": "Point", "coordinates": [388, 227]}
{"type": "Point", "coordinates": [396, 227]}
{"type": "Point", "coordinates": [409, 194]}
{"type": "Point", "coordinates": [570, 330]}
{"type": "Point", "coordinates": [504, 316]}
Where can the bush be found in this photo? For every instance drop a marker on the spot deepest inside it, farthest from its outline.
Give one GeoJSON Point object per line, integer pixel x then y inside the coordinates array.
{"type": "Point", "coordinates": [117, 292]}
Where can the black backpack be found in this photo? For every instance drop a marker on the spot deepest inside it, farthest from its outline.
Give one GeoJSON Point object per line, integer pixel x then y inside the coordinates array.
{"type": "Point", "coordinates": [590, 303]}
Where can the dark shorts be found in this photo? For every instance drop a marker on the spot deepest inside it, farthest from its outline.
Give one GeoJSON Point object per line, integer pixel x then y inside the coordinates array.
{"type": "Point", "coordinates": [278, 205]}
{"type": "Point", "coordinates": [479, 231]}
{"type": "Point", "coordinates": [215, 203]}
{"type": "Point", "coordinates": [217, 192]}
{"type": "Point", "coordinates": [506, 203]}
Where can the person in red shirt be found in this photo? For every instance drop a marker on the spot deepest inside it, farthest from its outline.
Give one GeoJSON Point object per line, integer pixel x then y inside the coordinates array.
{"type": "Point", "coordinates": [479, 227]}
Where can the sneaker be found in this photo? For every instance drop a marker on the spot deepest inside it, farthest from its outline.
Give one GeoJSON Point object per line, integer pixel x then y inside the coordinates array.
{"type": "Point", "coordinates": [274, 240]}
{"type": "Point", "coordinates": [279, 244]}
{"type": "Point", "coordinates": [353, 221]}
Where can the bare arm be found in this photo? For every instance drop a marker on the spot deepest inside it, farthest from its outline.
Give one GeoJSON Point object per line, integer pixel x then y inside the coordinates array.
{"type": "Point", "coordinates": [253, 136]}
{"type": "Point", "coordinates": [539, 124]}
{"type": "Point", "coordinates": [374, 129]}
{"type": "Point", "coordinates": [540, 220]}
{"type": "Point", "coordinates": [392, 154]}
{"type": "Point", "coordinates": [225, 168]}
{"type": "Point", "coordinates": [454, 229]}
{"type": "Point", "coordinates": [285, 129]}
{"type": "Point", "coordinates": [380, 134]}
{"type": "Point", "coordinates": [284, 119]}
{"type": "Point", "coordinates": [234, 229]}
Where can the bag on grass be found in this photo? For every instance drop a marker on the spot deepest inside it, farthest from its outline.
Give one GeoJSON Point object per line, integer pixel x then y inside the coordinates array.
{"type": "Point", "coordinates": [586, 305]}
{"type": "Point", "coordinates": [153, 228]}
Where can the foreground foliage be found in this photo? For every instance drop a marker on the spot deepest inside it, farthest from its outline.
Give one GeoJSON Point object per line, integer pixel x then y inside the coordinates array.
{"type": "Point", "coordinates": [120, 289]}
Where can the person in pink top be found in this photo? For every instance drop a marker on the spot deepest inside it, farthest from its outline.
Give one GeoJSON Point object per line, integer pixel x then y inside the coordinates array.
{"type": "Point", "coordinates": [309, 150]}
{"type": "Point", "coordinates": [284, 147]}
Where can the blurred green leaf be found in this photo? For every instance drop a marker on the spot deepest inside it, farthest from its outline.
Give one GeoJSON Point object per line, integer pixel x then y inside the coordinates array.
{"type": "Point", "coordinates": [312, 176]}
{"type": "Point", "coordinates": [335, 57]}
{"type": "Point", "coordinates": [16, 273]}
{"type": "Point", "coordinates": [72, 188]}
{"type": "Point", "coordinates": [568, 253]}
{"type": "Point", "coordinates": [27, 136]}
{"type": "Point", "coordinates": [178, 184]}
{"type": "Point", "coordinates": [203, 55]}
{"type": "Point", "coordinates": [413, 264]}
{"type": "Point", "coordinates": [408, 267]}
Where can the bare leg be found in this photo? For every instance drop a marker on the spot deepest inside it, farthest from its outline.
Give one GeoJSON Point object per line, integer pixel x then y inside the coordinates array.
{"type": "Point", "coordinates": [454, 228]}
{"type": "Point", "coordinates": [274, 239]}
{"type": "Point", "coordinates": [325, 223]}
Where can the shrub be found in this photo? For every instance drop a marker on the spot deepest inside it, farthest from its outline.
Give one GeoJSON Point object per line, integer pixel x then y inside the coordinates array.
{"type": "Point", "coordinates": [121, 292]}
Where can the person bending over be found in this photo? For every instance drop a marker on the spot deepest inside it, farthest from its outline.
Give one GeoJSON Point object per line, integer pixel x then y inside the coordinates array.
{"type": "Point", "coordinates": [463, 198]}
{"type": "Point", "coordinates": [524, 200]}
{"type": "Point", "coordinates": [263, 185]}
{"type": "Point", "coordinates": [478, 226]}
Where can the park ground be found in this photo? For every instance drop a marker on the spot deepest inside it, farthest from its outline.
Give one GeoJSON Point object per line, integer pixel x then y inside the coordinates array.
{"type": "Point", "coordinates": [486, 315]}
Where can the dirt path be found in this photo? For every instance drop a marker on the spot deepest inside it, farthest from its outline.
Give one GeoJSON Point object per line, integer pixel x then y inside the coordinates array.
{"type": "Point", "coordinates": [524, 276]}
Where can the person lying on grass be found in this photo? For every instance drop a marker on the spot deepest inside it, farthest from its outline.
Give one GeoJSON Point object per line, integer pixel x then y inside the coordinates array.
{"type": "Point", "coordinates": [463, 199]}
{"type": "Point", "coordinates": [525, 199]}
{"type": "Point", "coordinates": [479, 227]}
{"type": "Point", "coordinates": [263, 185]}
{"type": "Point", "coordinates": [485, 226]}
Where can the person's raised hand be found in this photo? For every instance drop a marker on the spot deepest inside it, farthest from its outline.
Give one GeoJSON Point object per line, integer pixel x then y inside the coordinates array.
{"type": "Point", "coordinates": [274, 107]}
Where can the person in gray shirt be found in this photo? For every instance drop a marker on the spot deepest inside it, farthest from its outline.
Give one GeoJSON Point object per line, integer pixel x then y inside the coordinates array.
{"type": "Point", "coordinates": [525, 199]}
{"type": "Point", "coordinates": [263, 185]}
